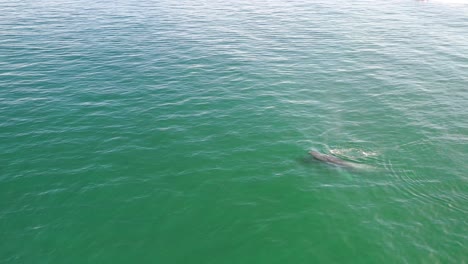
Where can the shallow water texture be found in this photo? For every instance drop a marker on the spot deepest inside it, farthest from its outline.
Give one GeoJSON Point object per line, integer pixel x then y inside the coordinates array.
{"type": "Point", "coordinates": [178, 131]}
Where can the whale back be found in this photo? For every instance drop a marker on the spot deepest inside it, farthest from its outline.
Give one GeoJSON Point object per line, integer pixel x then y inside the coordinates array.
{"type": "Point", "coordinates": [328, 158]}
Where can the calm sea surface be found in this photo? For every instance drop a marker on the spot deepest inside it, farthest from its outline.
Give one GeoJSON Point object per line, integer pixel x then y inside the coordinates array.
{"type": "Point", "coordinates": [177, 131]}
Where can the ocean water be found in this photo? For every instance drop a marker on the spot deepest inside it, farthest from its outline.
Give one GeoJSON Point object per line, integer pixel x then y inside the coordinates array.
{"type": "Point", "coordinates": [178, 131]}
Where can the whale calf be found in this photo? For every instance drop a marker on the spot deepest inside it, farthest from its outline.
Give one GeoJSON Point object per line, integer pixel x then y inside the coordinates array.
{"type": "Point", "coordinates": [331, 159]}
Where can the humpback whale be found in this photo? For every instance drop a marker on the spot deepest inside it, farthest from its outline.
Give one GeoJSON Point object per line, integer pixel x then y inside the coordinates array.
{"type": "Point", "coordinates": [331, 159]}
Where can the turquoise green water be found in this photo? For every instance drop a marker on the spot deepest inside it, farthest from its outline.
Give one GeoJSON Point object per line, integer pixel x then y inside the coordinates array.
{"type": "Point", "coordinates": [178, 131]}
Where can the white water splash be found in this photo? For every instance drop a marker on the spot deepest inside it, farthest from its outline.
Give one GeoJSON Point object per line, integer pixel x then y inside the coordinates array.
{"type": "Point", "coordinates": [353, 153]}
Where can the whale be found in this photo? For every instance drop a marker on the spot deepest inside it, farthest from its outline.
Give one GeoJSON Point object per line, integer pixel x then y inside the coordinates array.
{"type": "Point", "coordinates": [331, 159]}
